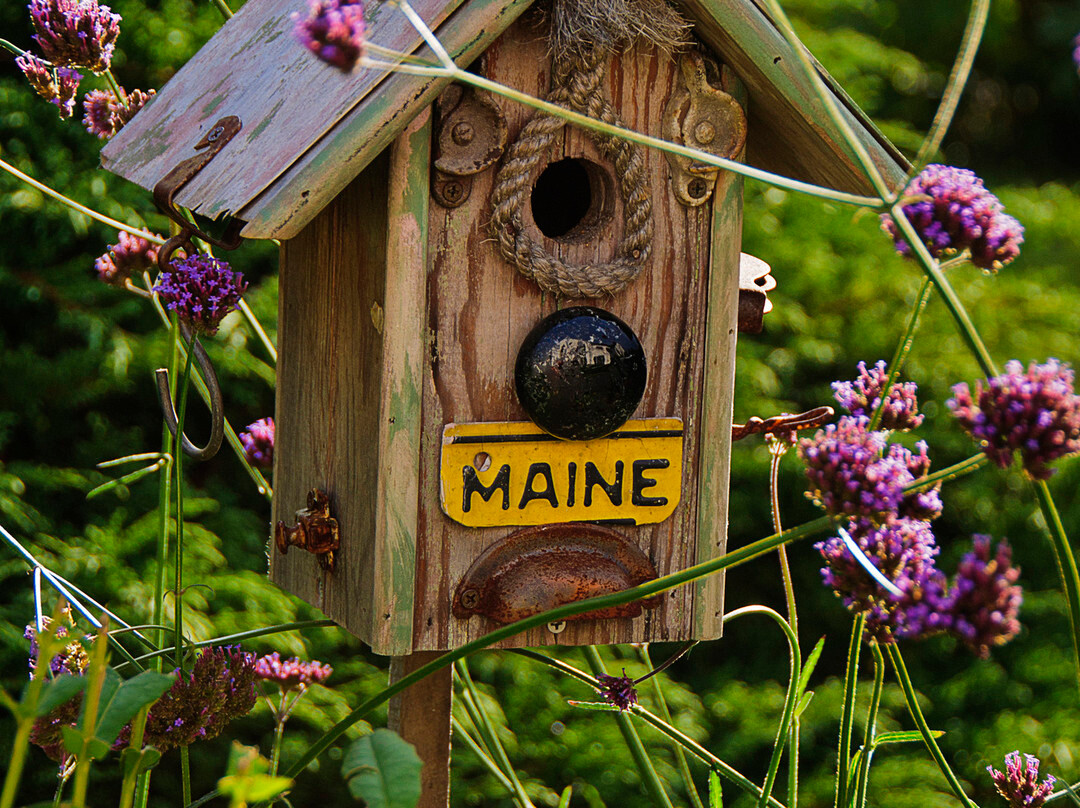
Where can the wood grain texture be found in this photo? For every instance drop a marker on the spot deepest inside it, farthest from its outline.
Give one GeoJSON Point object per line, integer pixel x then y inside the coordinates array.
{"type": "Point", "coordinates": [286, 98]}
{"type": "Point", "coordinates": [721, 330]}
{"type": "Point", "coordinates": [295, 197]}
{"type": "Point", "coordinates": [329, 393]}
{"type": "Point", "coordinates": [421, 715]}
{"type": "Point", "coordinates": [480, 309]}
{"type": "Point", "coordinates": [792, 132]}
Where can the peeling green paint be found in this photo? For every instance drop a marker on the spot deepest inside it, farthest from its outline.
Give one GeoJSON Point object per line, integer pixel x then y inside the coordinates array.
{"type": "Point", "coordinates": [265, 122]}
{"type": "Point", "coordinates": [212, 104]}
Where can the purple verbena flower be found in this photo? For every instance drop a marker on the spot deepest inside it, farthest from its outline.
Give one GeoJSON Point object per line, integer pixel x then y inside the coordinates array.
{"type": "Point", "coordinates": [1035, 413]}
{"type": "Point", "coordinates": [903, 551]}
{"type": "Point", "coordinates": [863, 396]}
{"type": "Point", "coordinates": [619, 690]}
{"type": "Point", "coordinates": [853, 472]}
{"type": "Point", "coordinates": [258, 441]}
{"type": "Point", "coordinates": [984, 600]}
{"type": "Point", "coordinates": [952, 211]}
{"type": "Point", "coordinates": [104, 115]}
{"type": "Point", "coordinates": [1076, 52]}
{"type": "Point", "coordinates": [56, 85]}
{"type": "Point", "coordinates": [334, 31]}
{"type": "Point", "coordinates": [1019, 782]}
{"type": "Point", "coordinates": [73, 659]}
{"type": "Point", "coordinates": [129, 255]}
{"type": "Point", "coordinates": [75, 33]}
{"type": "Point", "coordinates": [291, 674]}
{"type": "Point", "coordinates": [202, 290]}
{"type": "Point", "coordinates": [219, 688]}
{"type": "Point", "coordinates": [48, 731]}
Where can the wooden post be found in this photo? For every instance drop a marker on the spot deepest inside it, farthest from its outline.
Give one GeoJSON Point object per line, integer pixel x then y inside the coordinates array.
{"type": "Point", "coordinates": [421, 715]}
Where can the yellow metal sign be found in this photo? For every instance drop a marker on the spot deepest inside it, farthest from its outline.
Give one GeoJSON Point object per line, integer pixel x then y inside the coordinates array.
{"type": "Point", "coordinates": [516, 474]}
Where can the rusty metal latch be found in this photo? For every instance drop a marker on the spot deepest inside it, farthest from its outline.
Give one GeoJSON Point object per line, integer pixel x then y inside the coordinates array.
{"type": "Point", "coordinates": [208, 147]}
{"type": "Point", "coordinates": [702, 116]}
{"type": "Point", "coordinates": [785, 424]}
{"type": "Point", "coordinates": [471, 137]}
{"type": "Point", "coordinates": [315, 530]}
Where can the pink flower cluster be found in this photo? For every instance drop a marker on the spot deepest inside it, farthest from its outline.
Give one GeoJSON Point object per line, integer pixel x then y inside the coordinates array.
{"type": "Point", "coordinates": [291, 674]}
{"type": "Point", "coordinates": [202, 290]}
{"type": "Point", "coordinates": [56, 85]}
{"type": "Point", "coordinates": [334, 31]}
{"type": "Point", "coordinates": [1019, 783]}
{"type": "Point", "coordinates": [129, 255]}
{"type": "Point", "coordinates": [105, 115]}
{"type": "Point", "coordinates": [75, 33]}
{"type": "Point", "coordinates": [258, 442]}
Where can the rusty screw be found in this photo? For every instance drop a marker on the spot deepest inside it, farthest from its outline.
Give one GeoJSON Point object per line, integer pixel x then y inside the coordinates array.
{"type": "Point", "coordinates": [452, 191]}
{"type": "Point", "coordinates": [557, 626]}
{"type": "Point", "coordinates": [470, 599]}
{"type": "Point", "coordinates": [463, 133]}
{"type": "Point", "coordinates": [705, 132]}
{"type": "Point", "coordinates": [697, 188]}
{"type": "Point", "coordinates": [215, 133]}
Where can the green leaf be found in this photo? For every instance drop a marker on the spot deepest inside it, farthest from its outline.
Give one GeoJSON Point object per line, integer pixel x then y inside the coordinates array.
{"type": "Point", "coordinates": [59, 691]}
{"type": "Point", "coordinates": [96, 749]}
{"type": "Point", "coordinates": [804, 702]}
{"type": "Point", "coordinates": [136, 761]}
{"type": "Point", "coordinates": [716, 790]}
{"type": "Point", "coordinates": [126, 700]}
{"type": "Point", "coordinates": [604, 706]}
{"type": "Point", "coordinates": [904, 736]}
{"type": "Point", "coordinates": [383, 770]}
{"type": "Point", "coordinates": [811, 663]}
{"type": "Point", "coordinates": [564, 798]}
{"type": "Point", "coordinates": [73, 740]}
{"type": "Point", "coordinates": [247, 779]}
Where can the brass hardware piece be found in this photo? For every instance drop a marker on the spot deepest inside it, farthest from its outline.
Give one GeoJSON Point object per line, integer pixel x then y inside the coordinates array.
{"type": "Point", "coordinates": [315, 530]}
{"type": "Point", "coordinates": [755, 283]}
{"type": "Point", "coordinates": [782, 424]}
{"type": "Point", "coordinates": [538, 568]}
{"type": "Point", "coordinates": [471, 137]}
{"type": "Point", "coordinates": [702, 116]}
{"type": "Point", "coordinates": [167, 188]}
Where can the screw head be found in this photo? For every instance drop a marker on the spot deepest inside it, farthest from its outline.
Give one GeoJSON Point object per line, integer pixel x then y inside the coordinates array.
{"type": "Point", "coordinates": [557, 626]}
{"type": "Point", "coordinates": [452, 191]}
{"type": "Point", "coordinates": [705, 132]}
{"type": "Point", "coordinates": [463, 133]}
{"type": "Point", "coordinates": [470, 599]}
{"type": "Point", "coordinates": [697, 188]}
{"type": "Point", "coordinates": [215, 133]}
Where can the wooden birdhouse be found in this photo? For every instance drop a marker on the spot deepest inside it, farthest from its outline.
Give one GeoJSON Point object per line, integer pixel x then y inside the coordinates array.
{"type": "Point", "coordinates": [506, 345]}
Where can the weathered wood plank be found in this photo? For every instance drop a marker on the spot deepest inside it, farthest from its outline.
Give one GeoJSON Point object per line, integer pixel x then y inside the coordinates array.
{"type": "Point", "coordinates": [721, 329]}
{"type": "Point", "coordinates": [480, 310]}
{"type": "Point", "coordinates": [793, 134]}
{"type": "Point", "coordinates": [286, 98]}
{"type": "Point", "coordinates": [421, 715]}
{"type": "Point", "coordinates": [404, 344]}
{"type": "Point", "coordinates": [313, 180]}
{"type": "Point", "coordinates": [329, 379]}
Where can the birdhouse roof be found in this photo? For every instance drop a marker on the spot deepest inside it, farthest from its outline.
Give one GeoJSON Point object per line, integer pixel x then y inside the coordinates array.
{"type": "Point", "coordinates": [308, 129]}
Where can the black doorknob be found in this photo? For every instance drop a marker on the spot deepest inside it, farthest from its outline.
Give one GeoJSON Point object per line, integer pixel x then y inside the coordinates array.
{"type": "Point", "coordinates": [580, 373]}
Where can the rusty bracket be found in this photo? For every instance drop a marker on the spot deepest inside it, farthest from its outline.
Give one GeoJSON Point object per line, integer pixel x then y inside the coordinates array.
{"type": "Point", "coordinates": [701, 115]}
{"type": "Point", "coordinates": [784, 424]}
{"type": "Point", "coordinates": [315, 530]}
{"type": "Point", "coordinates": [471, 137]}
{"type": "Point", "coordinates": [755, 283]}
{"type": "Point", "coordinates": [167, 188]}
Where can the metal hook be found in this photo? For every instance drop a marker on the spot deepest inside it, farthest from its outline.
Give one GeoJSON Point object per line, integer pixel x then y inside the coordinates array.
{"type": "Point", "coordinates": [217, 404]}
{"type": "Point", "coordinates": [785, 423]}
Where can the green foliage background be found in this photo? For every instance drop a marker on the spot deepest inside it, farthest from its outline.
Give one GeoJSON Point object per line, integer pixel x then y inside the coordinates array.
{"type": "Point", "coordinates": [76, 358]}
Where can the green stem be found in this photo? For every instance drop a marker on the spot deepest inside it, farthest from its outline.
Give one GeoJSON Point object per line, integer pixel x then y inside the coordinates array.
{"type": "Point", "coordinates": [956, 308]}
{"type": "Point", "coordinates": [11, 46]}
{"type": "Point", "coordinates": [871, 726]}
{"type": "Point", "coordinates": [870, 169]}
{"type": "Point", "coordinates": [732, 559]}
{"type": "Point", "coordinates": [903, 348]}
{"type": "Point", "coordinates": [71, 203]}
{"type": "Point", "coordinates": [967, 466]}
{"type": "Point", "coordinates": [118, 91]}
{"type": "Point", "coordinates": [847, 717]}
{"type": "Point", "coordinates": [178, 551]}
{"type": "Point", "coordinates": [185, 772]}
{"type": "Point", "coordinates": [223, 7]}
{"type": "Point", "coordinates": [275, 752]}
{"type": "Point", "coordinates": [233, 639]}
{"type": "Point", "coordinates": [950, 99]}
{"type": "Point", "coordinates": [257, 327]}
{"type": "Point", "coordinates": [650, 779]}
{"type": "Point", "coordinates": [165, 494]}
{"type": "Point", "coordinates": [130, 782]}
{"type": "Point", "coordinates": [16, 761]}
{"type": "Point", "coordinates": [920, 721]}
{"type": "Point", "coordinates": [1066, 562]}
{"type": "Point", "coordinates": [680, 754]}
{"type": "Point", "coordinates": [461, 732]}
{"type": "Point", "coordinates": [487, 731]}
{"type": "Point", "coordinates": [795, 673]}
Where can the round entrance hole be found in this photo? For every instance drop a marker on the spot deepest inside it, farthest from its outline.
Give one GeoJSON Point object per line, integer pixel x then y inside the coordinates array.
{"type": "Point", "coordinates": [572, 199]}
